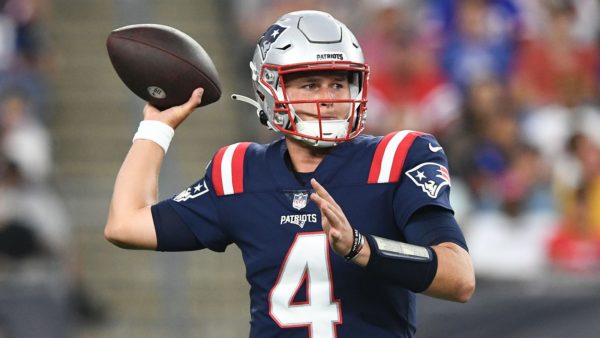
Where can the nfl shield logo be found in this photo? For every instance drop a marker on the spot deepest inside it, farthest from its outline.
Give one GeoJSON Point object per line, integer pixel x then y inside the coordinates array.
{"type": "Point", "coordinates": [299, 201]}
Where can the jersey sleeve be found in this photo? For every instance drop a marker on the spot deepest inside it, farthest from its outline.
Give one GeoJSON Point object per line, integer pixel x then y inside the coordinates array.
{"type": "Point", "coordinates": [424, 179]}
{"type": "Point", "coordinates": [433, 225]}
{"type": "Point", "coordinates": [190, 220]}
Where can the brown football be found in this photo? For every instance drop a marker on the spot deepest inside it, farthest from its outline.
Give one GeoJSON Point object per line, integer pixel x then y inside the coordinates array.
{"type": "Point", "coordinates": [162, 65]}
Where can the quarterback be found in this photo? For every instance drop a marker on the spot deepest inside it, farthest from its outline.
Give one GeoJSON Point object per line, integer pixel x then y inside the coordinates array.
{"type": "Point", "coordinates": [338, 230]}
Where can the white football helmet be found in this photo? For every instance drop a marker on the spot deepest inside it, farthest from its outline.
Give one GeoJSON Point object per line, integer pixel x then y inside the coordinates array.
{"type": "Point", "coordinates": [306, 41]}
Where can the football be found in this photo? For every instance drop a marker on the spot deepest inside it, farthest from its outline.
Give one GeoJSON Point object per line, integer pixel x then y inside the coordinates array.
{"type": "Point", "coordinates": [162, 65]}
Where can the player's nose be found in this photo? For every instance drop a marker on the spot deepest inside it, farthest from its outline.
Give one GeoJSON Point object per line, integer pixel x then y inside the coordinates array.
{"type": "Point", "coordinates": [326, 103]}
{"type": "Point", "coordinates": [327, 95]}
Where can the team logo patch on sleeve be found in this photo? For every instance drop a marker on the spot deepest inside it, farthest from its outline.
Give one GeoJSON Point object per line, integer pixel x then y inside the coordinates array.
{"type": "Point", "coordinates": [192, 192]}
{"type": "Point", "coordinates": [430, 177]}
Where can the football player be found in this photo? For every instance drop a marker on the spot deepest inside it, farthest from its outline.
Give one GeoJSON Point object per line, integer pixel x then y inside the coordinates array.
{"type": "Point", "coordinates": [338, 230]}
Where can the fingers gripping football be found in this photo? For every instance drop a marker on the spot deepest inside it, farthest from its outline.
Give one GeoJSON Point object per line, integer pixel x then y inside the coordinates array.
{"type": "Point", "coordinates": [334, 221]}
{"type": "Point", "coordinates": [174, 116]}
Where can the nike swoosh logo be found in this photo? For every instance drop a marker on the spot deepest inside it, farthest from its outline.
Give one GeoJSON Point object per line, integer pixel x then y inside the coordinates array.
{"type": "Point", "coordinates": [434, 149]}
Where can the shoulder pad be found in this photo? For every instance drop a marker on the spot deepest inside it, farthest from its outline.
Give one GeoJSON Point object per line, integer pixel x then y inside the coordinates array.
{"type": "Point", "coordinates": [228, 169]}
{"type": "Point", "coordinates": [389, 156]}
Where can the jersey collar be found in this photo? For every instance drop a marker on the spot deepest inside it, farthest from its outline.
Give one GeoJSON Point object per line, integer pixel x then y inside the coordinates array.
{"type": "Point", "coordinates": [283, 175]}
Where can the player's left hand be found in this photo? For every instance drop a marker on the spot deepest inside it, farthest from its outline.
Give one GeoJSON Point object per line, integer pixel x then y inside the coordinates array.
{"type": "Point", "coordinates": [334, 221]}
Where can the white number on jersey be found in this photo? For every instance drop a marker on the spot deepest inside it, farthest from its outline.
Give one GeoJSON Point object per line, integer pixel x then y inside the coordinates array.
{"type": "Point", "coordinates": [307, 261]}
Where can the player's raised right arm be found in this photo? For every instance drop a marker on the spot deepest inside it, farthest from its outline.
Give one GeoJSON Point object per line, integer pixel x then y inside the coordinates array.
{"type": "Point", "coordinates": [130, 224]}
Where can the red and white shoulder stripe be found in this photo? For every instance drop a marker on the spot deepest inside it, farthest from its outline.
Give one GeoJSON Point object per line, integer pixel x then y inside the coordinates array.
{"type": "Point", "coordinates": [228, 169]}
{"type": "Point", "coordinates": [390, 155]}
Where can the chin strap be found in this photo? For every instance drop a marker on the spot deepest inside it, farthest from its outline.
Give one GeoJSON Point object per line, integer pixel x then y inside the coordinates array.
{"type": "Point", "coordinates": [330, 129]}
{"type": "Point", "coordinates": [262, 116]}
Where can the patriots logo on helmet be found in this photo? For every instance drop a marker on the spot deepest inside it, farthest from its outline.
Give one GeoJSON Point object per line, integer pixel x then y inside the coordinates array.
{"type": "Point", "coordinates": [269, 38]}
{"type": "Point", "coordinates": [430, 177]}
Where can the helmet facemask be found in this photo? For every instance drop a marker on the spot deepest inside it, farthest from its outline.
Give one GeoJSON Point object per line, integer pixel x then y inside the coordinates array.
{"type": "Point", "coordinates": [327, 126]}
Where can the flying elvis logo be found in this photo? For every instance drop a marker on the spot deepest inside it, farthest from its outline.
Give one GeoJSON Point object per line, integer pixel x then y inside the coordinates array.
{"type": "Point", "coordinates": [430, 177]}
{"type": "Point", "coordinates": [192, 192]}
{"type": "Point", "coordinates": [269, 38]}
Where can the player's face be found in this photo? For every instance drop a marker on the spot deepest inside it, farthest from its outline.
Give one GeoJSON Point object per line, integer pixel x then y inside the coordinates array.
{"type": "Point", "coordinates": [323, 87]}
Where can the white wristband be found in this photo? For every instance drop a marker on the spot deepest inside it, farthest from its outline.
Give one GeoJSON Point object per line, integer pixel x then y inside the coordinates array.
{"type": "Point", "coordinates": [155, 131]}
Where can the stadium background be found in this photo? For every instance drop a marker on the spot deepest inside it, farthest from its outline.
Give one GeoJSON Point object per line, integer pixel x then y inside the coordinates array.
{"type": "Point", "coordinates": [72, 283]}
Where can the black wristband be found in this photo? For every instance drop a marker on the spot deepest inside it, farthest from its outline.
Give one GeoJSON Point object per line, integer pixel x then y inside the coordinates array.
{"type": "Point", "coordinates": [409, 266]}
{"type": "Point", "coordinates": [358, 241]}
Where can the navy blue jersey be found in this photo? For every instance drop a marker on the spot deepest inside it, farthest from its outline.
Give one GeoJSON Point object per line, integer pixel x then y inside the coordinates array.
{"type": "Point", "coordinates": [298, 286]}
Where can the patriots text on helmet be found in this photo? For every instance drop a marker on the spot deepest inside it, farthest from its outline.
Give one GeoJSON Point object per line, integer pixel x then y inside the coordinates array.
{"type": "Point", "coordinates": [330, 56]}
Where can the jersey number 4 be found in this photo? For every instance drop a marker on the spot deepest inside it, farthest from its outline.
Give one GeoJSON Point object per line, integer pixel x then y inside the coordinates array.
{"type": "Point", "coordinates": [307, 262]}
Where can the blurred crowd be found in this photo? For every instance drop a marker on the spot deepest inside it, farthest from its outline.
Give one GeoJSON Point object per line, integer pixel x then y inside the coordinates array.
{"type": "Point", "coordinates": [40, 287]}
{"type": "Point", "coordinates": [511, 89]}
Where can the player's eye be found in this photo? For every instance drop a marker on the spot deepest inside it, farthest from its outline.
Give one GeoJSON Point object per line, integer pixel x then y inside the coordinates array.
{"type": "Point", "coordinates": [310, 85]}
